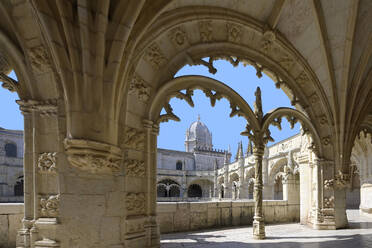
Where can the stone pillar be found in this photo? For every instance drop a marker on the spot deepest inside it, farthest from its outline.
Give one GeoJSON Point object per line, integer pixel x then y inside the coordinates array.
{"type": "Point", "coordinates": [151, 226]}
{"type": "Point", "coordinates": [305, 188]}
{"type": "Point", "coordinates": [291, 190]}
{"type": "Point", "coordinates": [258, 222]}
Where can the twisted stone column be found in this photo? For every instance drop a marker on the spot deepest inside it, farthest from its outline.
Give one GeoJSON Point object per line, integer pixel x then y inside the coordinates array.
{"type": "Point", "coordinates": [258, 222]}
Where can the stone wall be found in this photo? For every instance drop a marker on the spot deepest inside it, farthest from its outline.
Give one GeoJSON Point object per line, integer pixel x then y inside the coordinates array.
{"type": "Point", "coordinates": [11, 215]}
{"type": "Point", "coordinates": [186, 216]}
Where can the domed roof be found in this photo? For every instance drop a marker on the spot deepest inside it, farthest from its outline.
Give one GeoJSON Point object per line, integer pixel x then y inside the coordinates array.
{"type": "Point", "coordinates": [199, 132]}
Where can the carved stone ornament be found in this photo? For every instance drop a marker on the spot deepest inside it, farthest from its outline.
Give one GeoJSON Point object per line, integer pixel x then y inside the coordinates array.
{"type": "Point", "coordinates": [302, 79]}
{"type": "Point", "coordinates": [93, 156]}
{"type": "Point", "coordinates": [135, 203]}
{"type": "Point", "coordinates": [178, 36]}
{"type": "Point", "coordinates": [47, 162]}
{"type": "Point", "coordinates": [267, 41]}
{"type": "Point", "coordinates": [45, 108]}
{"type": "Point", "coordinates": [140, 88]}
{"type": "Point", "coordinates": [205, 29]}
{"type": "Point", "coordinates": [329, 202]}
{"type": "Point", "coordinates": [39, 58]}
{"type": "Point", "coordinates": [9, 83]}
{"type": "Point", "coordinates": [234, 32]}
{"type": "Point", "coordinates": [49, 206]}
{"type": "Point", "coordinates": [134, 139]}
{"type": "Point", "coordinates": [286, 61]}
{"type": "Point", "coordinates": [154, 56]}
{"type": "Point", "coordinates": [135, 168]}
{"type": "Point", "coordinates": [340, 181]}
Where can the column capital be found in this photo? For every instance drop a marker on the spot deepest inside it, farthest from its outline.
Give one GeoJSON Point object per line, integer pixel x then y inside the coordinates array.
{"type": "Point", "coordinates": [151, 126]}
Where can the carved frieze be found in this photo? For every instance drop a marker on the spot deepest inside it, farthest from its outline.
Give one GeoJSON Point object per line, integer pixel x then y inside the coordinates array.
{"type": "Point", "coordinates": [234, 32]}
{"type": "Point", "coordinates": [139, 87]}
{"type": "Point", "coordinates": [155, 56]}
{"type": "Point", "coordinates": [39, 58]}
{"type": "Point", "coordinates": [135, 203]}
{"type": "Point", "coordinates": [47, 162]}
{"type": "Point", "coordinates": [49, 206]}
{"type": "Point", "coordinates": [44, 108]}
{"type": "Point", "coordinates": [135, 168]}
{"type": "Point", "coordinates": [206, 31]}
{"type": "Point", "coordinates": [134, 138]}
{"type": "Point", "coordinates": [178, 36]}
{"type": "Point", "coordinates": [93, 156]}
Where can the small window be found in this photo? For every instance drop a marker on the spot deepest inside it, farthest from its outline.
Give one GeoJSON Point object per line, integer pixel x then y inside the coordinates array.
{"type": "Point", "coordinates": [179, 165]}
{"type": "Point", "coordinates": [10, 150]}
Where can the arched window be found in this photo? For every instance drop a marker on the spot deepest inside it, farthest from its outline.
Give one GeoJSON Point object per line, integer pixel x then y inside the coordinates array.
{"type": "Point", "coordinates": [174, 191]}
{"type": "Point", "coordinates": [162, 191]}
{"type": "Point", "coordinates": [179, 165]}
{"type": "Point", "coordinates": [194, 191]}
{"type": "Point", "coordinates": [11, 150]}
{"type": "Point", "coordinates": [18, 187]}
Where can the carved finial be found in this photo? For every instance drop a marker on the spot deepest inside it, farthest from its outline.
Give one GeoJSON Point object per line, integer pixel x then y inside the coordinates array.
{"type": "Point", "coordinates": [249, 148]}
{"type": "Point", "coordinates": [198, 117]}
{"type": "Point", "coordinates": [258, 104]}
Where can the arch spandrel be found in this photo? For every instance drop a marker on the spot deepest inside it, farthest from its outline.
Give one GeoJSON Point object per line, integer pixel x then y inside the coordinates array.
{"type": "Point", "coordinates": [158, 56]}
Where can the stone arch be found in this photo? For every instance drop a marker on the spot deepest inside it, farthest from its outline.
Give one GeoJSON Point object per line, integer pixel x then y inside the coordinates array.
{"type": "Point", "coordinates": [195, 190]}
{"type": "Point", "coordinates": [275, 169]}
{"type": "Point", "coordinates": [285, 65]}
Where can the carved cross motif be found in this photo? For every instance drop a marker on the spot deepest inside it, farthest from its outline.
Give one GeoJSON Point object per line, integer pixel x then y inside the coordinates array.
{"type": "Point", "coordinates": [205, 29]}
{"type": "Point", "coordinates": [234, 32]}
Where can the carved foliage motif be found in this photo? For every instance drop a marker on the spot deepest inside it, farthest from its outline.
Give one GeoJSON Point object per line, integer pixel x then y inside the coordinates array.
{"type": "Point", "coordinates": [154, 56]}
{"type": "Point", "coordinates": [135, 203]}
{"type": "Point", "coordinates": [140, 88]}
{"type": "Point", "coordinates": [205, 29]}
{"type": "Point", "coordinates": [178, 36]}
{"type": "Point", "coordinates": [302, 79]}
{"type": "Point", "coordinates": [45, 108]}
{"type": "Point", "coordinates": [234, 32]}
{"type": "Point", "coordinates": [135, 168]}
{"type": "Point", "coordinates": [134, 139]}
{"type": "Point", "coordinates": [329, 202]}
{"type": "Point", "coordinates": [47, 162]}
{"type": "Point", "coordinates": [340, 181]}
{"type": "Point", "coordinates": [49, 206]}
{"type": "Point", "coordinates": [39, 58]}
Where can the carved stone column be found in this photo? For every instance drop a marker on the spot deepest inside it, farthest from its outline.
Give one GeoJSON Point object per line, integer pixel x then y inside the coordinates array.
{"type": "Point", "coordinates": [151, 226]}
{"type": "Point", "coordinates": [258, 222]}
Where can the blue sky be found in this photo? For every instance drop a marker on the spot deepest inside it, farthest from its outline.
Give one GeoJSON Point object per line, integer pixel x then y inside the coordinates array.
{"type": "Point", "coordinates": [225, 130]}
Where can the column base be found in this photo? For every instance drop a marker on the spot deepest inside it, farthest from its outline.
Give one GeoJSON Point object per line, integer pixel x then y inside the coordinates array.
{"type": "Point", "coordinates": [259, 228]}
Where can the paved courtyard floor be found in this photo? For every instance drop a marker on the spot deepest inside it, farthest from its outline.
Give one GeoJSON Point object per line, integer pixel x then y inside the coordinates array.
{"type": "Point", "coordinates": [281, 235]}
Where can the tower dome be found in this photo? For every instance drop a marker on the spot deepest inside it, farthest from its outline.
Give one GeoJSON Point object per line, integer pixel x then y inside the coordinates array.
{"type": "Point", "coordinates": [198, 135]}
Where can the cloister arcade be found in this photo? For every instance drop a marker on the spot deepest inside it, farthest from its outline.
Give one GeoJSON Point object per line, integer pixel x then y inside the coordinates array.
{"type": "Point", "coordinates": [93, 77]}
